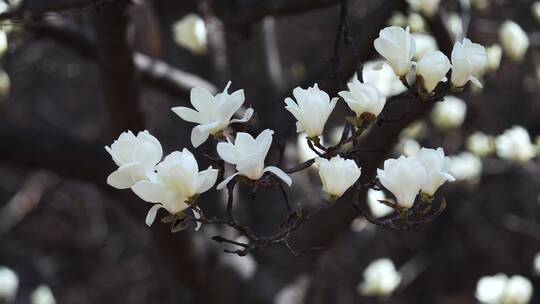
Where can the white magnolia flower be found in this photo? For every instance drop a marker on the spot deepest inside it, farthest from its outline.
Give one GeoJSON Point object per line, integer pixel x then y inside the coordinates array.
{"type": "Point", "coordinates": [42, 295]}
{"type": "Point", "coordinates": [380, 278]}
{"type": "Point", "coordinates": [403, 177]}
{"type": "Point", "coordinates": [382, 77]}
{"type": "Point", "coordinates": [9, 283]}
{"type": "Point", "coordinates": [450, 113]}
{"type": "Point", "coordinates": [377, 208]}
{"type": "Point", "coordinates": [397, 46]}
{"type": "Point", "coordinates": [177, 181]}
{"type": "Point", "coordinates": [363, 98]}
{"type": "Point", "coordinates": [425, 44]}
{"type": "Point", "coordinates": [465, 167]}
{"type": "Point", "coordinates": [535, 8]}
{"type": "Point", "coordinates": [136, 158]}
{"type": "Point", "coordinates": [536, 265]}
{"type": "Point", "coordinates": [213, 113]}
{"type": "Point", "coordinates": [499, 289]}
{"type": "Point", "coordinates": [427, 7]}
{"type": "Point", "coordinates": [481, 144]}
{"type": "Point", "coordinates": [311, 109]}
{"type": "Point", "coordinates": [248, 154]}
{"type": "Point", "coordinates": [468, 60]}
{"type": "Point", "coordinates": [436, 165]}
{"type": "Point", "coordinates": [337, 174]}
{"type": "Point", "coordinates": [514, 40]}
{"type": "Point", "coordinates": [515, 144]}
{"type": "Point", "coordinates": [433, 68]}
{"type": "Point", "coordinates": [494, 54]}
{"type": "Point", "coordinates": [190, 32]}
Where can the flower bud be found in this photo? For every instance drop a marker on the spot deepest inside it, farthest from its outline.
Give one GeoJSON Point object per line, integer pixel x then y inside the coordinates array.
{"type": "Point", "coordinates": [449, 113]}
{"type": "Point", "coordinates": [337, 174]}
{"type": "Point", "coordinates": [433, 68]}
{"type": "Point", "coordinates": [363, 98]}
{"type": "Point", "coordinates": [514, 40]}
{"type": "Point", "coordinates": [468, 60]}
{"type": "Point", "coordinates": [397, 46]}
{"type": "Point", "coordinates": [515, 144]}
{"type": "Point", "coordinates": [380, 278]}
{"type": "Point", "coordinates": [190, 33]}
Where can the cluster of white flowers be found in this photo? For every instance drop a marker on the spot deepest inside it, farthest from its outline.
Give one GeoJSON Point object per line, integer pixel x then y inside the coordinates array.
{"type": "Point", "coordinates": [515, 144]}
{"type": "Point", "coordinates": [406, 177]}
{"type": "Point", "coordinates": [380, 278]}
{"type": "Point", "coordinates": [500, 289]}
{"type": "Point", "coordinates": [398, 46]}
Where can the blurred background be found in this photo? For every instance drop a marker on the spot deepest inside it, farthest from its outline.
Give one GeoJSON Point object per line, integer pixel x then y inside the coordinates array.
{"type": "Point", "coordinates": [77, 73]}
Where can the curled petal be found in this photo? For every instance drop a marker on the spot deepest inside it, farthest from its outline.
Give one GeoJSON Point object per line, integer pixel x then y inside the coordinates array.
{"type": "Point", "coordinates": [188, 114]}
{"type": "Point", "coordinates": [126, 176]}
{"type": "Point", "coordinates": [280, 174]}
{"type": "Point", "coordinates": [226, 181]}
{"type": "Point", "coordinates": [247, 116]}
{"type": "Point", "coordinates": [150, 192]}
{"type": "Point", "coordinates": [151, 216]}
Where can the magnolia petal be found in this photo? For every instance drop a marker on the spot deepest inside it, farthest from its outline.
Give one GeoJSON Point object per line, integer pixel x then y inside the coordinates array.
{"type": "Point", "coordinates": [226, 181]}
{"type": "Point", "coordinates": [264, 141]}
{"type": "Point", "coordinates": [280, 174]}
{"type": "Point", "coordinates": [150, 192]}
{"type": "Point", "coordinates": [207, 179]}
{"type": "Point", "coordinates": [247, 116]}
{"type": "Point", "coordinates": [201, 99]}
{"type": "Point", "coordinates": [228, 153]}
{"type": "Point", "coordinates": [151, 216]}
{"type": "Point", "coordinates": [476, 82]}
{"type": "Point", "coordinates": [188, 114]}
{"type": "Point", "coordinates": [200, 133]}
{"type": "Point", "coordinates": [231, 105]}
{"type": "Point", "coordinates": [125, 176]}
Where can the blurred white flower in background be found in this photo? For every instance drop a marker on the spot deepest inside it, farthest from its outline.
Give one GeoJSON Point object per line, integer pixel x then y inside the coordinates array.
{"type": "Point", "coordinates": [454, 25]}
{"type": "Point", "coordinates": [481, 144]}
{"type": "Point", "coordinates": [397, 19]}
{"type": "Point", "coordinates": [425, 44]}
{"type": "Point", "coordinates": [416, 22]}
{"type": "Point", "coordinates": [494, 55]}
{"type": "Point", "coordinates": [42, 295]}
{"type": "Point", "coordinates": [311, 109]}
{"type": "Point", "coordinates": [468, 61]}
{"type": "Point", "coordinates": [465, 167]}
{"type": "Point", "coordinates": [408, 146]}
{"type": "Point", "coordinates": [480, 4]}
{"type": "Point", "coordinates": [433, 68]}
{"type": "Point", "coordinates": [397, 46]}
{"type": "Point", "coordinates": [337, 175]}
{"type": "Point", "coordinates": [383, 78]}
{"type": "Point", "coordinates": [515, 144]}
{"type": "Point", "coordinates": [5, 84]}
{"type": "Point", "coordinates": [178, 181]}
{"type": "Point", "coordinates": [377, 208]}
{"type": "Point", "coordinates": [363, 98]}
{"type": "Point", "coordinates": [248, 154]}
{"type": "Point", "coordinates": [3, 43]}
{"type": "Point", "coordinates": [535, 9]}
{"type": "Point", "coordinates": [403, 177]}
{"type": "Point", "coordinates": [536, 264]}
{"type": "Point", "coordinates": [304, 151]}
{"type": "Point", "coordinates": [426, 7]}
{"type": "Point", "coordinates": [380, 278]}
{"type": "Point", "coordinates": [499, 289]}
{"type": "Point", "coordinates": [514, 40]}
{"type": "Point", "coordinates": [136, 158]}
{"type": "Point", "coordinates": [450, 113]}
{"type": "Point", "coordinates": [9, 283]}
{"type": "Point", "coordinates": [212, 113]}
{"type": "Point", "coordinates": [190, 33]}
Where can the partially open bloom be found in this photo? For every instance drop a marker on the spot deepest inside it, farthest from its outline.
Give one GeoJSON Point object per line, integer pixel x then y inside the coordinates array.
{"type": "Point", "coordinates": [190, 32]}
{"type": "Point", "coordinates": [500, 289]}
{"type": "Point", "coordinates": [514, 40]}
{"type": "Point", "coordinates": [9, 283]}
{"type": "Point", "coordinates": [136, 158]}
{"type": "Point", "coordinates": [377, 208]}
{"type": "Point", "coordinates": [481, 144]}
{"type": "Point", "coordinates": [433, 68]}
{"type": "Point", "coordinates": [436, 165]}
{"type": "Point", "coordinates": [380, 278]}
{"type": "Point", "coordinates": [450, 113]}
{"type": "Point", "coordinates": [248, 154]}
{"type": "Point", "coordinates": [363, 98]}
{"type": "Point", "coordinates": [425, 44]}
{"type": "Point", "coordinates": [42, 295]}
{"type": "Point", "coordinates": [178, 182]}
{"type": "Point", "coordinates": [427, 7]}
{"type": "Point", "coordinates": [337, 174]}
{"type": "Point", "coordinates": [494, 54]}
{"type": "Point", "coordinates": [311, 109]}
{"type": "Point", "coordinates": [404, 177]}
{"type": "Point", "coordinates": [465, 167]}
{"type": "Point", "coordinates": [382, 77]}
{"type": "Point", "coordinates": [213, 113]}
{"type": "Point", "coordinates": [468, 60]}
{"type": "Point", "coordinates": [397, 46]}
{"type": "Point", "coordinates": [515, 144]}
